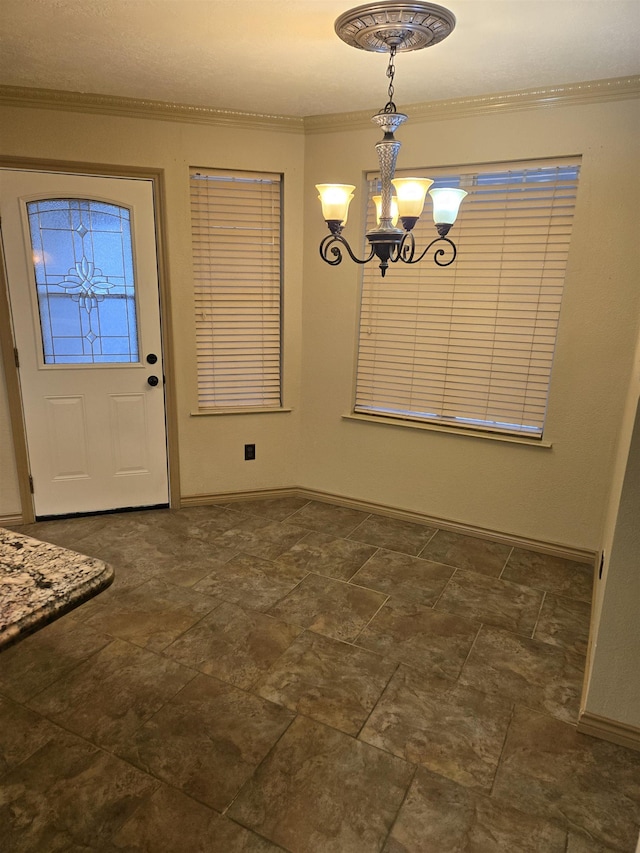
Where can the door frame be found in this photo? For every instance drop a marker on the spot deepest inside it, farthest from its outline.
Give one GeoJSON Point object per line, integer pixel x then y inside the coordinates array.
{"type": "Point", "coordinates": [18, 426]}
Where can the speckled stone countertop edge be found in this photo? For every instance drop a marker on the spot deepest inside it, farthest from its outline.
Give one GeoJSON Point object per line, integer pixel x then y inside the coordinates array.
{"type": "Point", "coordinates": [40, 581]}
{"type": "Point", "coordinates": [49, 613]}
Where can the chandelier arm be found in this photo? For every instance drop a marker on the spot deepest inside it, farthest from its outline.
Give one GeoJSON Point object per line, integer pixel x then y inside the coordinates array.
{"type": "Point", "coordinates": [327, 247]}
{"type": "Point", "coordinates": [407, 252]}
{"type": "Point", "coordinates": [407, 248]}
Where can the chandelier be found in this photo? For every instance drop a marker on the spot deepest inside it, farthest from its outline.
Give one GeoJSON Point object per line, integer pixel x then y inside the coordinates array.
{"type": "Point", "coordinates": [392, 27]}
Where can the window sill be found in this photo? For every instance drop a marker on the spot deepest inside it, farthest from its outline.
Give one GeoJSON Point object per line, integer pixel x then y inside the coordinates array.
{"type": "Point", "coordinates": [205, 413]}
{"type": "Point", "coordinates": [460, 431]}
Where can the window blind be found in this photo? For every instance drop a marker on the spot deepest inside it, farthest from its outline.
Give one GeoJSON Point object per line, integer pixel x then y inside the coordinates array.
{"type": "Point", "coordinates": [472, 344]}
{"type": "Point", "coordinates": [236, 240]}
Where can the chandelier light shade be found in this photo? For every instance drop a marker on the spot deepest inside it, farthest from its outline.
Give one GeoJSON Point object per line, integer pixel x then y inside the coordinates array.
{"type": "Point", "coordinates": [335, 200]}
{"type": "Point", "coordinates": [377, 200]}
{"type": "Point", "coordinates": [392, 27]}
{"type": "Point", "coordinates": [411, 193]}
{"type": "Point", "coordinates": [446, 203]}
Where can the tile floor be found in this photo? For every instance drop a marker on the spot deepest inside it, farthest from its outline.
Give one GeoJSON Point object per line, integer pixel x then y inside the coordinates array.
{"type": "Point", "coordinates": [292, 675]}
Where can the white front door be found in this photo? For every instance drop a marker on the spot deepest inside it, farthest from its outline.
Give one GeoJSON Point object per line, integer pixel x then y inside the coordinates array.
{"type": "Point", "coordinates": [83, 285]}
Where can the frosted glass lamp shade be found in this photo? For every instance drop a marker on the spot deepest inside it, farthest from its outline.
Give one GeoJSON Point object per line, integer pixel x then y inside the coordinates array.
{"type": "Point", "coordinates": [377, 200]}
{"type": "Point", "coordinates": [445, 205]}
{"type": "Point", "coordinates": [411, 193]}
{"type": "Point", "coordinates": [335, 199]}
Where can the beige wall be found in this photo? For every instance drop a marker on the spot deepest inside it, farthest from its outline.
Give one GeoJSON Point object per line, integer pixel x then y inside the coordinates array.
{"type": "Point", "coordinates": [555, 495]}
{"type": "Point", "coordinates": [211, 448]}
{"type": "Point", "coordinates": [614, 687]}
{"type": "Point", "coordinates": [614, 678]}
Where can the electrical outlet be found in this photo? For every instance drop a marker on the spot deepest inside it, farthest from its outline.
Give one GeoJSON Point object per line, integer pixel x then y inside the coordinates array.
{"type": "Point", "coordinates": [249, 451]}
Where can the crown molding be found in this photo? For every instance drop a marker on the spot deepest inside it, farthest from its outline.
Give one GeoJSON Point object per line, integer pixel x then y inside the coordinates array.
{"type": "Point", "coordinates": [590, 92]}
{"type": "Point", "coordinates": [83, 102]}
{"type": "Point", "coordinates": [594, 91]}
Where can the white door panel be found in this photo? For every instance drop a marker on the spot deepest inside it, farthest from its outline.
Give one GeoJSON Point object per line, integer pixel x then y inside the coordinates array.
{"type": "Point", "coordinates": [81, 263]}
{"type": "Point", "coordinates": [129, 430]}
{"type": "Point", "coordinates": [64, 429]}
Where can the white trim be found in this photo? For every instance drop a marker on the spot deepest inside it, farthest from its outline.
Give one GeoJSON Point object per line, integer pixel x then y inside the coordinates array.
{"type": "Point", "coordinates": [56, 99]}
{"type": "Point", "coordinates": [205, 413]}
{"type": "Point", "coordinates": [587, 92]}
{"type": "Point", "coordinates": [554, 549]}
{"type": "Point", "coordinates": [415, 424]}
{"type": "Point", "coordinates": [11, 519]}
{"type": "Point", "coordinates": [233, 497]}
{"type": "Point", "coordinates": [608, 729]}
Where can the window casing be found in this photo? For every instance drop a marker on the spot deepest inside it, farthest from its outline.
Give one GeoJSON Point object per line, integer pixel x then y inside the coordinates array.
{"type": "Point", "coordinates": [471, 345]}
{"type": "Point", "coordinates": [236, 220]}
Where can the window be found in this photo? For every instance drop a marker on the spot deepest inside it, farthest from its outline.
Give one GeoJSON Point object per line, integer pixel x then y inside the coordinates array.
{"type": "Point", "coordinates": [83, 264]}
{"type": "Point", "coordinates": [236, 238]}
{"type": "Point", "coordinates": [471, 345]}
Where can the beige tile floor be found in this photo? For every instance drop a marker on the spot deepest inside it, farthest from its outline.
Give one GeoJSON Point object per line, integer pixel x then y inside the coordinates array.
{"type": "Point", "coordinates": [292, 675]}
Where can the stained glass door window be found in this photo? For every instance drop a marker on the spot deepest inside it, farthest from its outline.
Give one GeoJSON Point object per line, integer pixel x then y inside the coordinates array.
{"type": "Point", "coordinates": [84, 275]}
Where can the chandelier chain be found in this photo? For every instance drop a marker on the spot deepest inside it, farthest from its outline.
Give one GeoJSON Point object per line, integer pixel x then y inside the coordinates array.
{"type": "Point", "coordinates": [390, 107]}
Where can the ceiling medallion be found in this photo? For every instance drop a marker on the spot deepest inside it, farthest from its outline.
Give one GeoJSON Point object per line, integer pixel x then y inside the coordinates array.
{"type": "Point", "coordinates": [406, 26]}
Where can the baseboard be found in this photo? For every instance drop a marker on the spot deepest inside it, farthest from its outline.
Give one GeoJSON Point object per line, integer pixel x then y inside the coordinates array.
{"type": "Point", "coordinates": [607, 729]}
{"type": "Point", "coordinates": [232, 497]}
{"type": "Point", "coordinates": [551, 548]}
{"type": "Point", "coordinates": [10, 519]}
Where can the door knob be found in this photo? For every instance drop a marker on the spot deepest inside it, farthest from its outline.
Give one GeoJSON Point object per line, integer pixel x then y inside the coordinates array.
{"type": "Point", "coordinates": [152, 358]}
{"type": "Point", "coordinates": [153, 381]}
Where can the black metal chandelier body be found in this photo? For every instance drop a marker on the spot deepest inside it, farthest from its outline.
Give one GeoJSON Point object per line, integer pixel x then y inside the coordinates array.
{"type": "Point", "coordinates": [392, 27]}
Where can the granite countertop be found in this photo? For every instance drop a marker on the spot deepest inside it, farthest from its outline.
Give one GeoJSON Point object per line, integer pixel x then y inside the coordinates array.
{"type": "Point", "coordinates": [40, 582]}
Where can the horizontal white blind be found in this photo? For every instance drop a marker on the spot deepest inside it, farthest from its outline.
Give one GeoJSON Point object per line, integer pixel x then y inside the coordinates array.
{"type": "Point", "coordinates": [472, 344]}
{"type": "Point", "coordinates": [235, 223]}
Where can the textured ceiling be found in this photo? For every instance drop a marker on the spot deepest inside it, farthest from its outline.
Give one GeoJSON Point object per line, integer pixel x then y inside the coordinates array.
{"type": "Point", "coordinates": [283, 57]}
